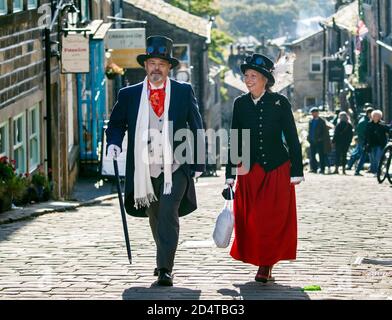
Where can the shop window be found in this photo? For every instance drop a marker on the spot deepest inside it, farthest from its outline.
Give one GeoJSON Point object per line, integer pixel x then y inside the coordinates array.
{"type": "Point", "coordinates": [4, 139]}
{"type": "Point", "coordinates": [19, 142]}
{"type": "Point", "coordinates": [34, 138]}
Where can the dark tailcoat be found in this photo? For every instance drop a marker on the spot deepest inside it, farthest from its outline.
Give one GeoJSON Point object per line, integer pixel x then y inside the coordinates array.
{"type": "Point", "coordinates": [184, 114]}
{"type": "Point", "coordinates": [268, 121]}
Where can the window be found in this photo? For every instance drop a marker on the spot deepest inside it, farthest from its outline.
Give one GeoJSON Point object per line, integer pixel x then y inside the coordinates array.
{"type": "Point", "coordinates": [183, 70]}
{"type": "Point", "coordinates": [315, 64]}
{"type": "Point", "coordinates": [388, 17]}
{"type": "Point", "coordinates": [4, 139]}
{"type": "Point", "coordinates": [32, 4]}
{"type": "Point", "coordinates": [3, 7]}
{"type": "Point", "coordinates": [19, 125]}
{"type": "Point", "coordinates": [18, 5]}
{"type": "Point", "coordinates": [34, 138]}
{"type": "Point", "coordinates": [310, 102]}
{"type": "Point", "coordinates": [84, 10]}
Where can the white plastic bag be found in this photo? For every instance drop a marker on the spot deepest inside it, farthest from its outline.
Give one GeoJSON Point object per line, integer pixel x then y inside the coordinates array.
{"type": "Point", "coordinates": [224, 225]}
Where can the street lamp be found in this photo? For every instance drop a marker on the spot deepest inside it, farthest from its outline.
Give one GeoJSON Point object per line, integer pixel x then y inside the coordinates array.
{"type": "Point", "coordinates": [72, 18]}
{"type": "Point", "coordinates": [348, 67]}
{"type": "Point", "coordinates": [72, 15]}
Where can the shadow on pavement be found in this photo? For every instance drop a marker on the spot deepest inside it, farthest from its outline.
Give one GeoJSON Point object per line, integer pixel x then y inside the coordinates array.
{"type": "Point", "coordinates": [268, 291]}
{"type": "Point", "coordinates": [160, 293]}
{"type": "Point", "coordinates": [6, 230]}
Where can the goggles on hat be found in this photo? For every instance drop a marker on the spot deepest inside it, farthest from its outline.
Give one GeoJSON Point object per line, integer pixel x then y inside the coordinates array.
{"type": "Point", "coordinates": [156, 50]}
{"type": "Point", "coordinates": [259, 61]}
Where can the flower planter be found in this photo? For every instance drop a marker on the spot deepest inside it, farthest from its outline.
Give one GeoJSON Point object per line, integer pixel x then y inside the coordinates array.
{"type": "Point", "coordinates": [5, 203]}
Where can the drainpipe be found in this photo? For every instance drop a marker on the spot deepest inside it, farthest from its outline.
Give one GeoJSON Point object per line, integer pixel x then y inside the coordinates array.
{"type": "Point", "coordinates": [379, 89]}
{"type": "Point", "coordinates": [48, 117]}
{"type": "Point", "coordinates": [48, 93]}
{"type": "Point", "coordinates": [324, 63]}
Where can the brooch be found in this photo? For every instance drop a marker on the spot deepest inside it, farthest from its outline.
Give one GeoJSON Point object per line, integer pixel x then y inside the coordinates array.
{"type": "Point", "coordinates": [277, 103]}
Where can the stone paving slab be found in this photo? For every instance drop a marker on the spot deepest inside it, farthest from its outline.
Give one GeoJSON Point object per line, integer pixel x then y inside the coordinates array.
{"type": "Point", "coordinates": [81, 254]}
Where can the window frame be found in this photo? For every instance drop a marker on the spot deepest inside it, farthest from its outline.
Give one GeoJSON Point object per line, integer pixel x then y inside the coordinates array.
{"type": "Point", "coordinates": [310, 105]}
{"type": "Point", "coordinates": [32, 7]}
{"type": "Point", "coordinates": [21, 144]}
{"type": "Point", "coordinates": [17, 9]}
{"type": "Point", "coordinates": [5, 10]}
{"type": "Point", "coordinates": [5, 125]}
{"type": "Point", "coordinates": [84, 11]}
{"type": "Point", "coordinates": [35, 135]}
{"type": "Point", "coordinates": [311, 63]}
{"type": "Point", "coordinates": [186, 64]}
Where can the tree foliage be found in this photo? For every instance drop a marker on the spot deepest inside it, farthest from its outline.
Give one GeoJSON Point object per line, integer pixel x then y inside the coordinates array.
{"type": "Point", "coordinates": [271, 18]}
{"type": "Point", "coordinates": [200, 8]}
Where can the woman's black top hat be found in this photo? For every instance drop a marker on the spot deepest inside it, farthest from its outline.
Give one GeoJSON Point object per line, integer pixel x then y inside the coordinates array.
{"type": "Point", "coordinates": [158, 47]}
{"type": "Point", "coordinates": [260, 63]}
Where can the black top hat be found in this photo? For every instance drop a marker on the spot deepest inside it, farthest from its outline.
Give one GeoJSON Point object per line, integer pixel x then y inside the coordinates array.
{"type": "Point", "coordinates": [260, 63]}
{"type": "Point", "coordinates": [158, 47]}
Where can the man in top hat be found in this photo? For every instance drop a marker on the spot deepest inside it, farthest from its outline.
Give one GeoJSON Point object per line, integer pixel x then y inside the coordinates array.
{"type": "Point", "coordinates": [159, 183]}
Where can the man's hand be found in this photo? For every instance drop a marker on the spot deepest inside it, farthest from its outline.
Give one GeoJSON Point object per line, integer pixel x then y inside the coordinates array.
{"type": "Point", "coordinates": [113, 151]}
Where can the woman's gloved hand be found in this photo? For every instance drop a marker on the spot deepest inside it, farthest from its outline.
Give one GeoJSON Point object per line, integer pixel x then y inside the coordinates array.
{"type": "Point", "coordinates": [228, 192]}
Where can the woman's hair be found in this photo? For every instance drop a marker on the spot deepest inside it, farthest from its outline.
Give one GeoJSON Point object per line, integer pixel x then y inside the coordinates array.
{"type": "Point", "coordinates": [268, 87]}
{"type": "Point", "coordinates": [376, 112]}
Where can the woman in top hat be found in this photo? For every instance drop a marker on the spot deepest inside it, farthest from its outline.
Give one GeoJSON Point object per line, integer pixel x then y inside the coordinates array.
{"type": "Point", "coordinates": [264, 203]}
{"type": "Point", "coordinates": [157, 185]}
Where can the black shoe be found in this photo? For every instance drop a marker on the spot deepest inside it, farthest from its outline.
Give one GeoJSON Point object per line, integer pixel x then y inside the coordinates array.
{"type": "Point", "coordinates": [164, 278]}
{"type": "Point", "coordinates": [156, 272]}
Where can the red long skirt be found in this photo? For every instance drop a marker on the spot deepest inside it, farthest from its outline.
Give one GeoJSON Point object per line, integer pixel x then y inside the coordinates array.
{"type": "Point", "coordinates": [265, 214]}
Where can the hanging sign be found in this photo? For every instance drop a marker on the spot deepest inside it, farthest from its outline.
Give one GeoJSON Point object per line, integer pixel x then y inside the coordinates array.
{"type": "Point", "coordinates": [75, 54]}
{"type": "Point", "coordinates": [125, 45]}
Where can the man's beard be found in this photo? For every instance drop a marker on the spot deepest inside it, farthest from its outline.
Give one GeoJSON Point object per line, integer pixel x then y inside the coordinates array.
{"type": "Point", "coordinates": [156, 77]}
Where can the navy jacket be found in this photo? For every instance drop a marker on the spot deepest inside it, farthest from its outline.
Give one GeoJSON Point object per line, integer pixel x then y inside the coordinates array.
{"type": "Point", "coordinates": [183, 112]}
{"type": "Point", "coordinates": [268, 122]}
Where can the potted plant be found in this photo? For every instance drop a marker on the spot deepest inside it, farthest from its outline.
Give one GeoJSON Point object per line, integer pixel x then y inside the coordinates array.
{"type": "Point", "coordinates": [112, 70]}
{"type": "Point", "coordinates": [10, 184]}
{"type": "Point", "coordinates": [41, 185]}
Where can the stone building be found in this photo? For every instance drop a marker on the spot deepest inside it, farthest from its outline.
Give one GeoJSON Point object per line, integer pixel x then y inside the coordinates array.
{"type": "Point", "coordinates": [190, 35]}
{"type": "Point", "coordinates": [38, 104]}
{"type": "Point", "coordinates": [378, 49]}
{"type": "Point", "coordinates": [308, 71]}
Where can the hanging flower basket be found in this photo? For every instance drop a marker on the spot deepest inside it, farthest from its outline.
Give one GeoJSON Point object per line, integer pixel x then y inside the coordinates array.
{"type": "Point", "coordinates": [112, 70]}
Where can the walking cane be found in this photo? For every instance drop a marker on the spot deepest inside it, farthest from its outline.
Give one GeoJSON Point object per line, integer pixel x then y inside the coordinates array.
{"type": "Point", "coordinates": [123, 216]}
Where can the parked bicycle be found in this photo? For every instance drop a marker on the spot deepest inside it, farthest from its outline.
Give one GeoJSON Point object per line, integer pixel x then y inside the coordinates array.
{"type": "Point", "coordinates": [384, 170]}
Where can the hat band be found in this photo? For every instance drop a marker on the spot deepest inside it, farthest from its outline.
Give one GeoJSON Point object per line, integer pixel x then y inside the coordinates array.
{"type": "Point", "coordinates": [261, 67]}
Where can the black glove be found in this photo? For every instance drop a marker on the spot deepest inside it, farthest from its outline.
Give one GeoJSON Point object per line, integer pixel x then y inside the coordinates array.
{"type": "Point", "coordinates": [227, 195]}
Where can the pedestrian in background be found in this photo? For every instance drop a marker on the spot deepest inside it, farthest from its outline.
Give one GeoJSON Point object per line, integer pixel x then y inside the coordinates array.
{"type": "Point", "coordinates": [342, 138]}
{"type": "Point", "coordinates": [265, 228]}
{"type": "Point", "coordinates": [376, 139]}
{"type": "Point", "coordinates": [359, 154]}
{"type": "Point", "coordinates": [319, 140]}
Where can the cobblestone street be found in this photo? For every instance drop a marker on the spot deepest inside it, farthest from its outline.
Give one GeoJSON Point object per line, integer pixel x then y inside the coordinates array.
{"type": "Point", "coordinates": [344, 246]}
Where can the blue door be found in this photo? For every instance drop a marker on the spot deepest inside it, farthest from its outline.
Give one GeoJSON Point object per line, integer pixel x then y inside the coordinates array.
{"type": "Point", "coordinates": [91, 89]}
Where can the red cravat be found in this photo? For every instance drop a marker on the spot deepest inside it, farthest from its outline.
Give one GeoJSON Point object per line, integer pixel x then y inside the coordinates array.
{"type": "Point", "coordinates": [157, 99]}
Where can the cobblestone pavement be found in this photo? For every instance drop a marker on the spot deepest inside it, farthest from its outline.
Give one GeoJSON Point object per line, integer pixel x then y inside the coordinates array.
{"type": "Point", "coordinates": [345, 245]}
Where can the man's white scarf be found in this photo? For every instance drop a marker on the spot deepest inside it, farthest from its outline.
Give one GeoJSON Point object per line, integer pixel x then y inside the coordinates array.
{"type": "Point", "coordinates": [143, 189]}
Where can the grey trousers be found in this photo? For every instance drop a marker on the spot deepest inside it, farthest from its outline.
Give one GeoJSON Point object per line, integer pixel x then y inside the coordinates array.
{"type": "Point", "coordinates": [163, 217]}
